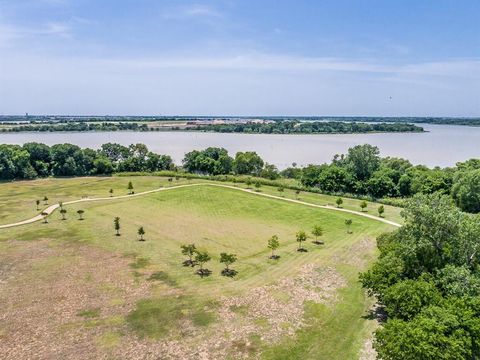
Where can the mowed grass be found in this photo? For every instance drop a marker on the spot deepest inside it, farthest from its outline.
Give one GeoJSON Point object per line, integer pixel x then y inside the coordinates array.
{"type": "Point", "coordinates": [17, 199]}
{"type": "Point", "coordinates": [223, 220]}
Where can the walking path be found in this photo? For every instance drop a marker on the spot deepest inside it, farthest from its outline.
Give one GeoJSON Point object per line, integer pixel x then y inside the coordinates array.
{"type": "Point", "coordinates": [52, 208]}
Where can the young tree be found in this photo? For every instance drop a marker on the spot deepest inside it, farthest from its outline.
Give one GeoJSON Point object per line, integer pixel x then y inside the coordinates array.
{"type": "Point", "coordinates": [363, 205]}
{"type": "Point", "coordinates": [130, 187]}
{"type": "Point", "coordinates": [381, 210]}
{"type": "Point", "coordinates": [281, 189]}
{"type": "Point", "coordinates": [348, 222]}
{"type": "Point", "coordinates": [111, 192]}
{"type": "Point", "coordinates": [228, 259]}
{"type": "Point", "coordinates": [45, 219]}
{"type": "Point", "coordinates": [248, 182]}
{"type": "Point", "coordinates": [116, 225]}
{"type": "Point", "coordinates": [273, 244]}
{"type": "Point", "coordinates": [297, 193]}
{"type": "Point", "coordinates": [202, 258]}
{"type": "Point", "coordinates": [301, 237]}
{"type": "Point", "coordinates": [63, 212]}
{"type": "Point", "coordinates": [141, 232]}
{"type": "Point", "coordinates": [37, 202]}
{"type": "Point", "coordinates": [339, 202]}
{"type": "Point", "coordinates": [258, 185]}
{"type": "Point", "coordinates": [317, 231]}
{"type": "Point", "coordinates": [45, 200]}
{"type": "Point", "coordinates": [189, 250]}
{"type": "Point", "coordinates": [80, 214]}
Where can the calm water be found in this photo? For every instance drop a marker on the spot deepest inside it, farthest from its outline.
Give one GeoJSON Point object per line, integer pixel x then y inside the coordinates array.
{"type": "Point", "coordinates": [443, 145]}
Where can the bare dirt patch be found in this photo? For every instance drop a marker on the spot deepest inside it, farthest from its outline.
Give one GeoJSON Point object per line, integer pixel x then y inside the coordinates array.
{"type": "Point", "coordinates": [263, 314]}
{"type": "Point", "coordinates": [57, 302]}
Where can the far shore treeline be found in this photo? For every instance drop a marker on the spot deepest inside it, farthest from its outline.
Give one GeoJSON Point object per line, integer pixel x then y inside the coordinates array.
{"type": "Point", "coordinates": [273, 127]}
{"type": "Point", "coordinates": [361, 172]}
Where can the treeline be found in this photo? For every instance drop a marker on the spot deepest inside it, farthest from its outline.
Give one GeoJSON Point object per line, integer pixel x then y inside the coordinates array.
{"type": "Point", "coordinates": [361, 172]}
{"type": "Point", "coordinates": [427, 278]}
{"type": "Point", "coordinates": [310, 127]}
{"type": "Point", "coordinates": [34, 160]}
{"type": "Point", "coordinates": [77, 126]}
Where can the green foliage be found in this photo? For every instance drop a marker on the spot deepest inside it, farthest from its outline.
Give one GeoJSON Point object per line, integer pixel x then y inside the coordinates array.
{"type": "Point", "coordinates": [381, 210]}
{"type": "Point", "coordinates": [189, 250]}
{"type": "Point", "coordinates": [466, 190]}
{"type": "Point", "coordinates": [141, 232]}
{"type": "Point", "coordinates": [301, 237]}
{"type": "Point", "coordinates": [363, 205]}
{"type": "Point", "coordinates": [202, 257]}
{"type": "Point", "coordinates": [317, 231]}
{"type": "Point", "coordinates": [273, 243]}
{"type": "Point", "coordinates": [227, 259]}
{"type": "Point", "coordinates": [406, 298]}
{"type": "Point", "coordinates": [116, 225]}
{"type": "Point", "coordinates": [427, 278]}
{"type": "Point", "coordinates": [339, 202]}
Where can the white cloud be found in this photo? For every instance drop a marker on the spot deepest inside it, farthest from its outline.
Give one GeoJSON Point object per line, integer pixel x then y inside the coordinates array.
{"type": "Point", "coordinates": [192, 11]}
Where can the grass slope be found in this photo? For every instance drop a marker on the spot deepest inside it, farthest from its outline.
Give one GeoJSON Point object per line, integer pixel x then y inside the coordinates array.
{"type": "Point", "coordinates": [216, 220]}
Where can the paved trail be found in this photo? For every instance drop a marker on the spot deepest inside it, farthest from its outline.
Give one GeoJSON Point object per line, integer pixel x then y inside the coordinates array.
{"type": "Point", "coordinates": [52, 208]}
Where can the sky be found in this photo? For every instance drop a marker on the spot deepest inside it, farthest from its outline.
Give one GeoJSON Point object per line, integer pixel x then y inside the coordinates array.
{"type": "Point", "coordinates": [240, 57]}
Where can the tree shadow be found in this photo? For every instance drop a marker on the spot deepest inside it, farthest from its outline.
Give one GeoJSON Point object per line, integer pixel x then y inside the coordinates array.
{"type": "Point", "coordinates": [229, 272]}
{"type": "Point", "coordinates": [203, 272]}
{"type": "Point", "coordinates": [274, 257]}
{"type": "Point", "coordinates": [189, 263]}
{"type": "Point", "coordinates": [318, 242]}
{"type": "Point", "coordinates": [377, 312]}
{"type": "Point", "coordinates": [302, 250]}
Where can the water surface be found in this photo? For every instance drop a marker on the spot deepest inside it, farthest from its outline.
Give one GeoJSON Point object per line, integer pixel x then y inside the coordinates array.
{"type": "Point", "coordinates": [442, 145]}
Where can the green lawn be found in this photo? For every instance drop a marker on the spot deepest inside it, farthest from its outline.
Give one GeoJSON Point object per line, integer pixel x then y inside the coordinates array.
{"type": "Point", "coordinates": [171, 302]}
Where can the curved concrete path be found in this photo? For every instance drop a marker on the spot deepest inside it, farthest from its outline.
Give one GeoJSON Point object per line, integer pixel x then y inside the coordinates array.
{"type": "Point", "coordinates": [49, 210]}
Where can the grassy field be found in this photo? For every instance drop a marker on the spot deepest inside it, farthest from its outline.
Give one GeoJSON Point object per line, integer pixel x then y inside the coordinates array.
{"type": "Point", "coordinates": [17, 199]}
{"type": "Point", "coordinates": [73, 289]}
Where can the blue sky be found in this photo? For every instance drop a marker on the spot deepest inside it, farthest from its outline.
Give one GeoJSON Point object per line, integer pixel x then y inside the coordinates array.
{"type": "Point", "coordinates": [227, 57]}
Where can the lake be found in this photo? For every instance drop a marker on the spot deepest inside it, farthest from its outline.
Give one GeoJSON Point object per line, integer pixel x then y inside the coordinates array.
{"type": "Point", "coordinates": [442, 145]}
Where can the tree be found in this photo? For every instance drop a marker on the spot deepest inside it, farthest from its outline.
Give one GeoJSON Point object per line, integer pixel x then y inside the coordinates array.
{"type": "Point", "coordinates": [339, 202]}
{"type": "Point", "coordinates": [37, 202]}
{"type": "Point", "coordinates": [189, 250]}
{"type": "Point", "coordinates": [80, 214]}
{"type": "Point", "coordinates": [60, 204]}
{"type": "Point", "coordinates": [45, 200]}
{"type": "Point", "coordinates": [363, 160]}
{"type": "Point", "coordinates": [247, 163]}
{"type": "Point", "coordinates": [273, 244]}
{"type": "Point", "coordinates": [407, 298]}
{"type": "Point", "coordinates": [116, 225]}
{"type": "Point", "coordinates": [141, 232]}
{"type": "Point", "coordinates": [130, 187]}
{"type": "Point", "coordinates": [45, 217]}
{"type": "Point", "coordinates": [63, 212]}
{"type": "Point", "coordinates": [301, 237]}
{"type": "Point", "coordinates": [281, 189]}
{"type": "Point", "coordinates": [258, 185]}
{"type": "Point", "coordinates": [248, 182]}
{"type": "Point", "coordinates": [348, 222]}
{"type": "Point", "coordinates": [228, 259]}
{"type": "Point", "coordinates": [466, 190]}
{"type": "Point", "coordinates": [363, 205]}
{"type": "Point", "coordinates": [317, 231]}
{"type": "Point", "coordinates": [202, 258]}
{"type": "Point", "coordinates": [381, 210]}
{"type": "Point", "coordinates": [111, 192]}
{"type": "Point", "coordinates": [297, 193]}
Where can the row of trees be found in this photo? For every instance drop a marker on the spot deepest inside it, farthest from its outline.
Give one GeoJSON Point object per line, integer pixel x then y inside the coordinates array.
{"type": "Point", "coordinates": [427, 278]}
{"type": "Point", "coordinates": [309, 127]}
{"type": "Point", "coordinates": [34, 160]}
{"type": "Point", "coordinates": [200, 258]}
{"type": "Point", "coordinates": [77, 126]}
{"type": "Point", "coordinates": [360, 172]}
